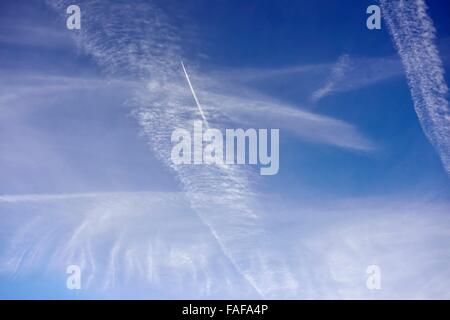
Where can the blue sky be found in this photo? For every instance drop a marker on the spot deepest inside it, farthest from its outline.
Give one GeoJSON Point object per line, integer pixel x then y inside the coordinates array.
{"type": "Point", "coordinates": [85, 137]}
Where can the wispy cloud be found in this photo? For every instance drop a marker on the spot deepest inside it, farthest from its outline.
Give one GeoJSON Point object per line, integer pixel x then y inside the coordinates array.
{"type": "Point", "coordinates": [43, 37]}
{"type": "Point", "coordinates": [123, 238]}
{"type": "Point", "coordinates": [414, 35]}
{"type": "Point", "coordinates": [116, 238]}
{"type": "Point", "coordinates": [337, 75]}
{"type": "Point", "coordinates": [126, 235]}
{"type": "Point", "coordinates": [236, 218]}
{"type": "Point", "coordinates": [141, 45]}
{"type": "Point", "coordinates": [333, 243]}
{"type": "Point", "coordinates": [352, 73]}
{"type": "Point", "coordinates": [148, 48]}
{"type": "Point", "coordinates": [24, 86]}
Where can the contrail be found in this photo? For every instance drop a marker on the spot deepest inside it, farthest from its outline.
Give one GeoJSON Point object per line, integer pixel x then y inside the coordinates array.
{"type": "Point", "coordinates": [20, 198]}
{"type": "Point", "coordinates": [194, 95]}
{"type": "Point", "coordinates": [413, 34]}
{"type": "Point", "coordinates": [148, 48]}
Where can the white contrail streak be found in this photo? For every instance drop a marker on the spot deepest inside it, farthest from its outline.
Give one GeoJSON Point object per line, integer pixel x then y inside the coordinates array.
{"type": "Point", "coordinates": [148, 48]}
{"type": "Point", "coordinates": [20, 198]}
{"type": "Point", "coordinates": [194, 95]}
{"type": "Point", "coordinates": [413, 34]}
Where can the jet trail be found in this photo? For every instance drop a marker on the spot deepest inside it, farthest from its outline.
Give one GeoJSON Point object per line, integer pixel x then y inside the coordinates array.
{"type": "Point", "coordinates": [145, 46]}
{"type": "Point", "coordinates": [194, 95]}
{"type": "Point", "coordinates": [413, 34]}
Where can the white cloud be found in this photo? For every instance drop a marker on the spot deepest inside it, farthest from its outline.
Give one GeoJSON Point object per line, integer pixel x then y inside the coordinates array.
{"type": "Point", "coordinates": [117, 239]}
{"type": "Point", "coordinates": [123, 239]}
{"type": "Point", "coordinates": [141, 44]}
{"type": "Point", "coordinates": [158, 237]}
{"type": "Point", "coordinates": [414, 35]}
{"type": "Point", "coordinates": [352, 73]}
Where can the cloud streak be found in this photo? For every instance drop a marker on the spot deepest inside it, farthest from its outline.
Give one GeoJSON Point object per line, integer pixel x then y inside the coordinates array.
{"type": "Point", "coordinates": [122, 239]}
{"type": "Point", "coordinates": [204, 241]}
{"type": "Point", "coordinates": [414, 35]}
{"type": "Point", "coordinates": [352, 73]}
{"type": "Point", "coordinates": [116, 238]}
{"type": "Point", "coordinates": [144, 45]}
{"type": "Point", "coordinates": [141, 46]}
